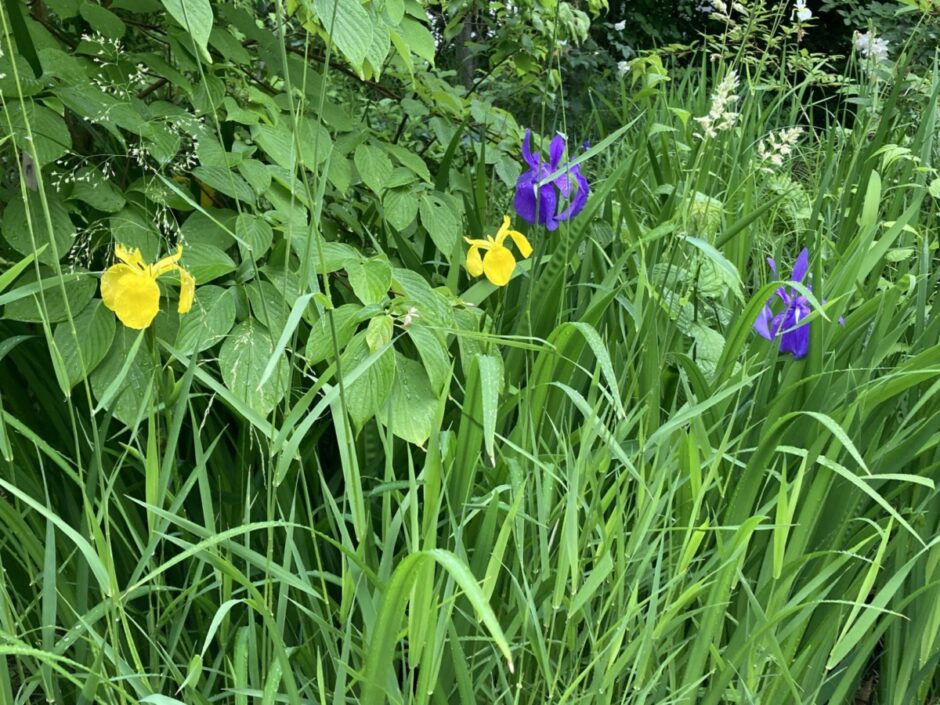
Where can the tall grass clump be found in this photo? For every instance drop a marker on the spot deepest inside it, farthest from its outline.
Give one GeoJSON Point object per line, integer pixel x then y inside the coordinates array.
{"type": "Point", "coordinates": [639, 463]}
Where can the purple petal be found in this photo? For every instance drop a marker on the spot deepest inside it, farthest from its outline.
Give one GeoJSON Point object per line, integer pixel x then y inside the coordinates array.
{"type": "Point", "coordinates": [801, 266]}
{"type": "Point", "coordinates": [531, 159]}
{"type": "Point", "coordinates": [579, 198]}
{"type": "Point", "coordinates": [547, 203]}
{"type": "Point", "coordinates": [762, 324]}
{"type": "Point", "coordinates": [773, 267]}
{"type": "Point", "coordinates": [795, 338]}
{"type": "Point", "coordinates": [556, 151]}
{"type": "Point", "coordinates": [526, 197]}
{"type": "Point", "coordinates": [796, 342]}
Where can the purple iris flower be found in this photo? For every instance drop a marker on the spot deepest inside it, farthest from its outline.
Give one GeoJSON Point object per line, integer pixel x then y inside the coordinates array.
{"type": "Point", "coordinates": [786, 325]}
{"type": "Point", "coordinates": [539, 203]}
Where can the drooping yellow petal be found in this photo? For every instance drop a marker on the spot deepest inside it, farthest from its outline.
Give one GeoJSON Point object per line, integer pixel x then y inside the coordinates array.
{"type": "Point", "coordinates": [525, 249]}
{"type": "Point", "coordinates": [478, 243]}
{"type": "Point", "coordinates": [129, 256]}
{"type": "Point", "coordinates": [132, 294]}
{"type": "Point", "coordinates": [168, 263]}
{"type": "Point", "coordinates": [474, 261]}
{"type": "Point", "coordinates": [498, 265]}
{"type": "Point", "coordinates": [187, 291]}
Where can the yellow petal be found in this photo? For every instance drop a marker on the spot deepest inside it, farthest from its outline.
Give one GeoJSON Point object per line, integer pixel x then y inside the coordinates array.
{"type": "Point", "coordinates": [132, 294]}
{"type": "Point", "coordinates": [478, 243]}
{"type": "Point", "coordinates": [525, 249]}
{"type": "Point", "coordinates": [503, 230]}
{"type": "Point", "coordinates": [187, 291]}
{"type": "Point", "coordinates": [474, 261]}
{"type": "Point", "coordinates": [168, 263]}
{"type": "Point", "coordinates": [498, 265]}
{"type": "Point", "coordinates": [129, 256]}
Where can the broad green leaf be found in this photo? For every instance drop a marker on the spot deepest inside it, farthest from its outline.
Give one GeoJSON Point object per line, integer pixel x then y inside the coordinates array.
{"type": "Point", "coordinates": [370, 279]}
{"type": "Point", "coordinates": [132, 229]}
{"type": "Point", "coordinates": [78, 288]}
{"type": "Point", "coordinates": [97, 191]}
{"type": "Point", "coordinates": [226, 181]}
{"type": "Point", "coordinates": [418, 38]}
{"type": "Point", "coordinates": [411, 410]}
{"type": "Point", "coordinates": [26, 228]}
{"type": "Point", "coordinates": [206, 263]}
{"type": "Point", "coordinates": [433, 354]}
{"type": "Point", "coordinates": [368, 392]}
{"type": "Point", "coordinates": [50, 136]}
{"type": "Point", "coordinates": [401, 207]}
{"type": "Point", "coordinates": [255, 233]}
{"type": "Point", "coordinates": [373, 166]}
{"type": "Point", "coordinates": [124, 381]}
{"type": "Point", "coordinates": [103, 20]}
{"type": "Point", "coordinates": [379, 332]}
{"type": "Point", "coordinates": [82, 350]}
{"type": "Point", "coordinates": [440, 220]}
{"type": "Point", "coordinates": [348, 26]}
{"type": "Point", "coordinates": [195, 16]}
{"type": "Point", "coordinates": [320, 342]}
{"type": "Point", "coordinates": [213, 227]}
{"type": "Point", "coordinates": [242, 359]}
{"type": "Point", "coordinates": [209, 321]}
{"type": "Point", "coordinates": [268, 305]}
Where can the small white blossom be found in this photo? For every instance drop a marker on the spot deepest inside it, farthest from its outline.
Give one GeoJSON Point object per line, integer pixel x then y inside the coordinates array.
{"type": "Point", "coordinates": [775, 148]}
{"type": "Point", "coordinates": [802, 13]}
{"type": "Point", "coordinates": [409, 317]}
{"type": "Point", "coordinates": [721, 116]}
{"type": "Point", "coordinates": [623, 67]}
{"type": "Point", "coordinates": [871, 47]}
{"type": "Point", "coordinates": [620, 26]}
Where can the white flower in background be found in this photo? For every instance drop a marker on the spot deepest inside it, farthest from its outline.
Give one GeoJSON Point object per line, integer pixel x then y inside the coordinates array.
{"type": "Point", "coordinates": [775, 148]}
{"type": "Point", "coordinates": [623, 67]}
{"type": "Point", "coordinates": [409, 317]}
{"type": "Point", "coordinates": [620, 26]}
{"type": "Point", "coordinates": [721, 116]}
{"type": "Point", "coordinates": [802, 12]}
{"type": "Point", "coordinates": [871, 47]}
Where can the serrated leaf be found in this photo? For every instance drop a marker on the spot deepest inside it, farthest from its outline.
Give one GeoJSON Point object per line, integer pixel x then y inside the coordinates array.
{"type": "Point", "coordinates": [242, 360]}
{"type": "Point", "coordinates": [83, 349]}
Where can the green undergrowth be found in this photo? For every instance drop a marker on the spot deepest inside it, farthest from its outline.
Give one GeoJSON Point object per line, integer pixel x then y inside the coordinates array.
{"type": "Point", "coordinates": [354, 474]}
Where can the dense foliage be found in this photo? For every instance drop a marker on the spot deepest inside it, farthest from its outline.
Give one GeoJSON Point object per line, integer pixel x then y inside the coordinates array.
{"type": "Point", "coordinates": [365, 351]}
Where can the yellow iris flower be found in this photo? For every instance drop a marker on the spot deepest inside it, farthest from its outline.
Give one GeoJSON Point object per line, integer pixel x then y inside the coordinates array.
{"type": "Point", "coordinates": [498, 263]}
{"type": "Point", "coordinates": [130, 287]}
